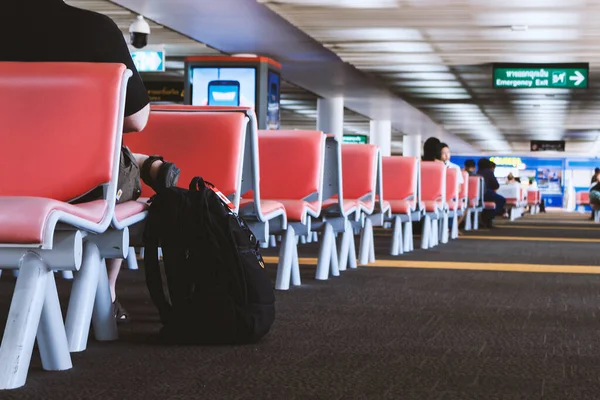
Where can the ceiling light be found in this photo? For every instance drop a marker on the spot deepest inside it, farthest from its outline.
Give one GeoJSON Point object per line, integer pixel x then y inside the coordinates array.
{"type": "Point", "coordinates": [519, 28]}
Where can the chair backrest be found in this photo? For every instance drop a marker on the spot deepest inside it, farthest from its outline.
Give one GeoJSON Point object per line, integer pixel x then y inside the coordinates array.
{"type": "Point", "coordinates": [200, 143]}
{"type": "Point", "coordinates": [452, 184]}
{"type": "Point", "coordinates": [61, 127]}
{"type": "Point", "coordinates": [583, 197]}
{"type": "Point", "coordinates": [400, 178]}
{"type": "Point", "coordinates": [291, 164]}
{"type": "Point", "coordinates": [433, 181]}
{"type": "Point", "coordinates": [359, 171]}
{"type": "Point", "coordinates": [475, 185]}
{"type": "Point", "coordinates": [464, 189]}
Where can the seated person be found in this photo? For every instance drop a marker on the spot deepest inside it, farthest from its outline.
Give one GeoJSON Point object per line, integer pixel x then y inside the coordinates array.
{"type": "Point", "coordinates": [61, 33]}
{"type": "Point", "coordinates": [432, 150]}
{"type": "Point", "coordinates": [470, 167]}
{"type": "Point", "coordinates": [490, 186]}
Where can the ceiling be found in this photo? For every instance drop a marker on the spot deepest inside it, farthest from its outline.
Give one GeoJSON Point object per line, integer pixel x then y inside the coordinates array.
{"type": "Point", "coordinates": [437, 55]}
{"type": "Point", "coordinates": [298, 106]}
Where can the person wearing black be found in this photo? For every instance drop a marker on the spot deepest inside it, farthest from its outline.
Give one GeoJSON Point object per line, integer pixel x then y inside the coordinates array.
{"type": "Point", "coordinates": [470, 167]}
{"type": "Point", "coordinates": [490, 186]}
{"type": "Point", "coordinates": [432, 150]}
{"type": "Point", "coordinates": [56, 32]}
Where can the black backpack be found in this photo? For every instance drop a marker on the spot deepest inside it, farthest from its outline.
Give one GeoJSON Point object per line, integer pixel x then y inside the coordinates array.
{"type": "Point", "coordinates": [218, 290]}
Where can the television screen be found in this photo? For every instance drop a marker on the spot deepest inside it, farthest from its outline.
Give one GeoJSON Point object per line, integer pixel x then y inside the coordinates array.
{"type": "Point", "coordinates": [223, 86]}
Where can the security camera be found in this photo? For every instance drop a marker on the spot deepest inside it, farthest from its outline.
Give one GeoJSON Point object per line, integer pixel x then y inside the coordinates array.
{"type": "Point", "coordinates": [139, 30]}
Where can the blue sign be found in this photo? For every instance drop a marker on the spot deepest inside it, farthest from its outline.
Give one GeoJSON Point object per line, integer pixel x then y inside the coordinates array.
{"type": "Point", "coordinates": [149, 60]}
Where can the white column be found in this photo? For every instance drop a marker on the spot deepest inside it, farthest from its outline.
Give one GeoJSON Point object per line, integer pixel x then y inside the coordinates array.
{"type": "Point", "coordinates": [411, 146]}
{"type": "Point", "coordinates": [381, 135]}
{"type": "Point", "coordinates": [330, 116]}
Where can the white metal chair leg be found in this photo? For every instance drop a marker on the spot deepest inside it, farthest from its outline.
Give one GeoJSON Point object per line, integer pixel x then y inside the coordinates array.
{"type": "Point", "coordinates": [397, 242]}
{"type": "Point", "coordinates": [67, 275]}
{"type": "Point", "coordinates": [81, 302]}
{"type": "Point", "coordinates": [142, 252]}
{"type": "Point", "coordinates": [455, 227]}
{"type": "Point", "coordinates": [426, 233]}
{"type": "Point", "coordinates": [445, 229]}
{"type": "Point", "coordinates": [296, 280]}
{"type": "Point", "coordinates": [286, 255]}
{"type": "Point", "coordinates": [344, 250]}
{"type": "Point", "coordinates": [476, 220]}
{"type": "Point", "coordinates": [132, 263]}
{"type": "Point", "coordinates": [408, 239]}
{"type": "Point", "coordinates": [411, 236]}
{"type": "Point", "coordinates": [372, 247]}
{"type": "Point", "coordinates": [51, 335]}
{"type": "Point", "coordinates": [435, 232]}
{"type": "Point", "coordinates": [352, 261]}
{"type": "Point", "coordinates": [468, 225]}
{"type": "Point", "coordinates": [23, 321]}
{"type": "Point", "coordinates": [325, 253]}
{"type": "Point", "coordinates": [303, 240]}
{"type": "Point", "coordinates": [334, 261]}
{"type": "Point", "coordinates": [103, 318]}
{"type": "Point", "coordinates": [365, 242]}
{"type": "Point", "coordinates": [273, 241]}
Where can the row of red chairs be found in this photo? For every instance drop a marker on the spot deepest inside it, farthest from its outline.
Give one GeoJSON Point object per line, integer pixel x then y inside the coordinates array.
{"type": "Point", "coordinates": [288, 185]}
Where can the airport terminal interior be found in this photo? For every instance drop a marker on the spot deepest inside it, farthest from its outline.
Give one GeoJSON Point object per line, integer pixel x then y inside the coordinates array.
{"type": "Point", "coordinates": [422, 178]}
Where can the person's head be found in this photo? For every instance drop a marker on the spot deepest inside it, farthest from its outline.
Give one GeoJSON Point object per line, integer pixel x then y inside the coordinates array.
{"type": "Point", "coordinates": [510, 177]}
{"type": "Point", "coordinates": [470, 165]}
{"type": "Point", "coordinates": [483, 163]}
{"type": "Point", "coordinates": [492, 165]}
{"type": "Point", "coordinates": [445, 152]}
{"type": "Point", "coordinates": [596, 171]}
{"type": "Point", "coordinates": [432, 149]}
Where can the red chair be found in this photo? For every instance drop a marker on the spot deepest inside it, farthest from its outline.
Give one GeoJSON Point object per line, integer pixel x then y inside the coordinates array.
{"type": "Point", "coordinates": [336, 214]}
{"type": "Point", "coordinates": [534, 199]}
{"type": "Point", "coordinates": [71, 131]}
{"type": "Point", "coordinates": [474, 203]}
{"type": "Point", "coordinates": [291, 173]}
{"type": "Point", "coordinates": [400, 179]}
{"type": "Point", "coordinates": [360, 168]}
{"type": "Point", "coordinates": [454, 205]}
{"type": "Point", "coordinates": [433, 195]}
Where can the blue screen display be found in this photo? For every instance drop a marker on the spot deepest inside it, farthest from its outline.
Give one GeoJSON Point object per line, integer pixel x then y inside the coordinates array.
{"type": "Point", "coordinates": [223, 86]}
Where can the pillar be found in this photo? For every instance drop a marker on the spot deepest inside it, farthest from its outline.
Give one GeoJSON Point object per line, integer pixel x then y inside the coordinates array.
{"type": "Point", "coordinates": [411, 146]}
{"type": "Point", "coordinates": [330, 116]}
{"type": "Point", "coordinates": [381, 135]}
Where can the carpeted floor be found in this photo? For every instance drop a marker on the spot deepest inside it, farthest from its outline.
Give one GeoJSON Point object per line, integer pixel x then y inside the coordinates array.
{"type": "Point", "coordinates": [376, 333]}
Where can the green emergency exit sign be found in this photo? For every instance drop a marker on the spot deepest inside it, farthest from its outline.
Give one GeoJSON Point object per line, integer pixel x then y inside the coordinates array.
{"type": "Point", "coordinates": [358, 139]}
{"type": "Point", "coordinates": [541, 76]}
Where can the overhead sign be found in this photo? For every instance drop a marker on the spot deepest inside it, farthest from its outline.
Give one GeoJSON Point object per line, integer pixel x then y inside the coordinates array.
{"type": "Point", "coordinates": [149, 60]}
{"type": "Point", "coordinates": [358, 139]}
{"type": "Point", "coordinates": [165, 92]}
{"type": "Point", "coordinates": [538, 76]}
{"type": "Point", "coordinates": [547, 145]}
{"type": "Point", "coordinates": [515, 162]}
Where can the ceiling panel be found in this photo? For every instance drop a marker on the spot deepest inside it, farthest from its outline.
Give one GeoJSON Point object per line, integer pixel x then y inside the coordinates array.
{"type": "Point", "coordinates": [298, 108]}
{"type": "Point", "coordinates": [437, 55]}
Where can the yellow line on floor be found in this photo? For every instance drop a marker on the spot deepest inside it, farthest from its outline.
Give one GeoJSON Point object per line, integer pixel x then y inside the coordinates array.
{"type": "Point", "coordinates": [531, 239]}
{"type": "Point", "coordinates": [470, 266]}
{"type": "Point", "coordinates": [558, 227]}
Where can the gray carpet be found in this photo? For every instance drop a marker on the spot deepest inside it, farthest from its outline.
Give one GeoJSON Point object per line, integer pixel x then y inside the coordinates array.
{"type": "Point", "coordinates": [374, 333]}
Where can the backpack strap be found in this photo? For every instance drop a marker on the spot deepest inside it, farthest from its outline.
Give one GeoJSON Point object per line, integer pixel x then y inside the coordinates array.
{"type": "Point", "coordinates": [154, 280]}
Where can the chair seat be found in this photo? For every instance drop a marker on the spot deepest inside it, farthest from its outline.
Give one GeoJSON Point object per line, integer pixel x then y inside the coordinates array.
{"type": "Point", "coordinates": [401, 206]}
{"type": "Point", "coordinates": [453, 205]}
{"type": "Point", "coordinates": [348, 205]}
{"type": "Point", "coordinates": [488, 205]}
{"type": "Point", "coordinates": [23, 219]}
{"type": "Point", "coordinates": [433, 206]}
{"type": "Point", "coordinates": [130, 208]}
{"type": "Point", "coordinates": [266, 206]}
{"type": "Point", "coordinates": [296, 210]}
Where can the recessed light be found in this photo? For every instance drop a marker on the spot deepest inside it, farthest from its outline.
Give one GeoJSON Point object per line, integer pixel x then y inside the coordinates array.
{"type": "Point", "coordinates": [519, 27]}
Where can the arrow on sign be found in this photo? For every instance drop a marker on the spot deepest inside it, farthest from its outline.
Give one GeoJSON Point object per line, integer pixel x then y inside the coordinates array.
{"type": "Point", "coordinates": [153, 61]}
{"type": "Point", "coordinates": [578, 78]}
